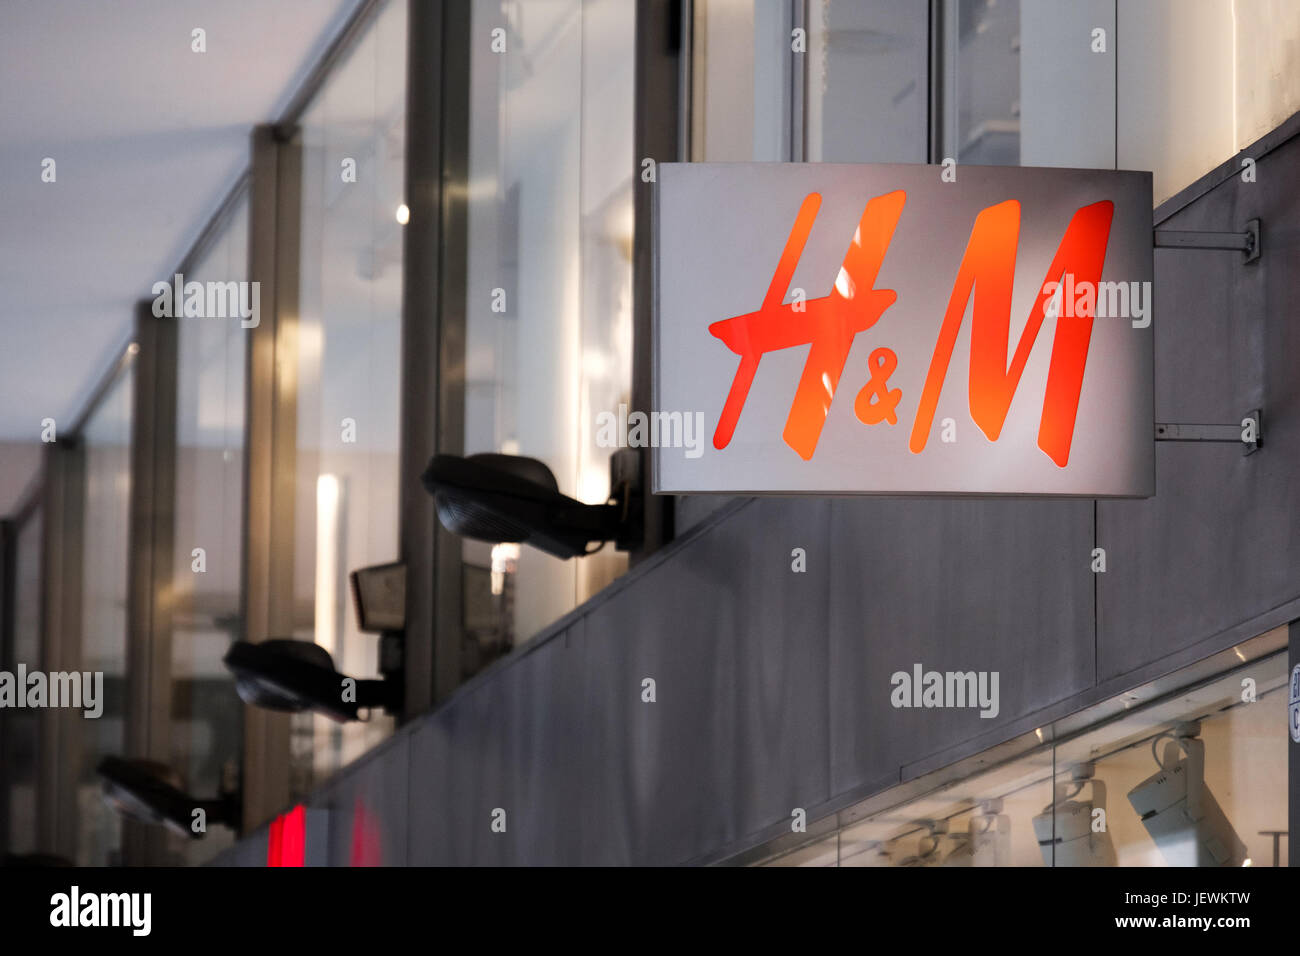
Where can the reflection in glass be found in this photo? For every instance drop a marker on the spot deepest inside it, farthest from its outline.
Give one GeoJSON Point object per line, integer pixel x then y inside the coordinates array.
{"type": "Point", "coordinates": [107, 446]}
{"type": "Point", "coordinates": [980, 821]}
{"type": "Point", "coordinates": [549, 284]}
{"type": "Point", "coordinates": [867, 81]}
{"type": "Point", "coordinates": [207, 716]}
{"type": "Point", "coordinates": [741, 87]}
{"type": "Point", "coordinates": [983, 83]}
{"type": "Point", "coordinates": [348, 340]}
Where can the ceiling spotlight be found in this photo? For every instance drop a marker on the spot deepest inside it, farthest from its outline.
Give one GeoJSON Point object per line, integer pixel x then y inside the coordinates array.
{"type": "Point", "coordinates": [509, 498]}
{"type": "Point", "coordinates": [1178, 810]}
{"type": "Point", "coordinates": [290, 675]}
{"type": "Point", "coordinates": [153, 793]}
{"type": "Point", "coordinates": [403, 214]}
{"type": "Point", "coordinates": [987, 841]}
{"type": "Point", "coordinates": [930, 847]}
{"type": "Point", "coordinates": [1065, 827]}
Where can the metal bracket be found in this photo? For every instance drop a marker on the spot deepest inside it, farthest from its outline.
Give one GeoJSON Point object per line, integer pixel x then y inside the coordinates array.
{"type": "Point", "coordinates": [1166, 431]}
{"type": "Point", "coordinates": [1247, 242]}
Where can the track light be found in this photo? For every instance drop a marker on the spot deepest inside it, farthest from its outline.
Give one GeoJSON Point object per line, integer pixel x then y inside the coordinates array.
{"type": "Point", "coordinates": [1178, 810]}
{"type": "Point", "coordinates": [987, 841]}
{"type": "Point", "coordinates": [153, 793]}
{"type": "Point", "coordinates": [289, 675]}
{"type": "Point", "coordinates": [510, 498]}
{"type": "Point", "coordinates": [930, 847]}
{"type": "Point", "coordinates": [1065, 827]}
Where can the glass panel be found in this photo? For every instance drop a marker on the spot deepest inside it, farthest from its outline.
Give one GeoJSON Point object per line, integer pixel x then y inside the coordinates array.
{"type": "Point", "coordinates": [548, 322]}
{"type": "Point", "coordinates": [1197, 780]}
{"type": "Point", "coordinates": [1031, 83]}
{"type": "Point", "coordinates": [985, 86]}
{"type": "Point", "coordinates": [107, 442]}
{"type": "Point", "coordinates": [985, 820]}
{"type": "Point", "coordinates": [349, 340]}
{"type": "Point", "coordinates": [742, 81]}
{"type": "Point", "coordinates": [22, 725]}
{"type": "Point", "coordinates": [207, 716]}
{"type": "Point", "coordinates": [822, 853]}
{"type": "Point", "coordinates": [868, 81]}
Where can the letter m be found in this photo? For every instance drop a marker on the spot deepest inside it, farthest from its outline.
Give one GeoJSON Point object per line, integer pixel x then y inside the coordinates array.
{"type": "Point", "coordinates": [988, 270]}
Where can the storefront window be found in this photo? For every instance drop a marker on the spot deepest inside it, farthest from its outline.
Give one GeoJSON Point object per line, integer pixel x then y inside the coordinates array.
{"type": "Point", "coordinates": [107, 447]}
{"type": "Point", "coordinates": [742, 81]}
{"type": "Point", "coordinates": [207, 716]}
{"type": "Point", "coordinates": [1197, 777]}
{"type": "Point", "coordinates": [348, 341]}
{"type": "Point", "coordinates": [867, 81]}
{"type": "Point", "coordinates": [982, 84]}
{"type": "Point", "coordinates": [981, 821]}
{"type": "Point", "coordinates": [549, 309]}
{"type": "Point", "coordinates": [1198, 780]}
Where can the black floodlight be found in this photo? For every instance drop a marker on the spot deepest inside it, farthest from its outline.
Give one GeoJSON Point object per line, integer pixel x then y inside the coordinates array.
{"type": "Point", "coordinates": [289, 675]}
{"type": "Point", "coordinates": [510, 498]}
{"type": "Point", "coordinates": [153, 793]}
{"type": "Point", "coordinates": [380, 596]}
{"type": "Point", "coordinates": [379, 593]}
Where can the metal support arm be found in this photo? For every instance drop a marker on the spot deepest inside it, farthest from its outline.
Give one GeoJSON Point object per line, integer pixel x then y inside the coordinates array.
{"type": "Point", "coordinates": [1250, 427]}
{"type": "Point", "coordinates": [1247, 241]}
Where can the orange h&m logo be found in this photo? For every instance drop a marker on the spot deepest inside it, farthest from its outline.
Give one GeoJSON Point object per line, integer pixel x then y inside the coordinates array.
{"type": "Point", "coordinates": [830, 324]}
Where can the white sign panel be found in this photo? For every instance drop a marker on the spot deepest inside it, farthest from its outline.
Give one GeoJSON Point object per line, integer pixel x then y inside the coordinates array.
{"type": "Point", "coordinates": [892, 329]}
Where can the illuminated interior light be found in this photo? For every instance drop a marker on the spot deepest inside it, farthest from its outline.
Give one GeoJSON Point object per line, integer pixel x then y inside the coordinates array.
{"type": "Point", "coordinates": [327, 561]}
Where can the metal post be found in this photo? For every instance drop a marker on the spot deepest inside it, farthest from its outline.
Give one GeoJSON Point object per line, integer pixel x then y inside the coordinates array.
{"type": "Point", "coordinates": [433, 338]}
{"type": "Point", "coordinates": [658, 52]}
{"type": "Point", "coordinates": [62, 529]}
{"type": "Point", "coordinates": [150, 534]}
{"type": "Point", "coordinates": [270, 430]}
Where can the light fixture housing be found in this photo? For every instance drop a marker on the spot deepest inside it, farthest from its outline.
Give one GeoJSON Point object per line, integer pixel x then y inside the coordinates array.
{"type": "Point", "coordinates": [1064, 828]}
{"type": "Point", "coordinates": [1178, 809]}
{"type": "Point", "coordinates": [292, 676]}
{"type": "Point", "coordinates": [514, 499]}
{"type": "Point", "coordinates": [154, 793]}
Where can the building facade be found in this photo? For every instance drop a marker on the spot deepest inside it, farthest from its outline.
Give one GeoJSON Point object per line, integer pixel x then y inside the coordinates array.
{"type": "Point", "coordinates": [727, 691]}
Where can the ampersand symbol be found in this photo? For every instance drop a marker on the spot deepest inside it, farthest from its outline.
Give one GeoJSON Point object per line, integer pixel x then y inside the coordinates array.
{"type": "Point", "coordinates": [877, 401]}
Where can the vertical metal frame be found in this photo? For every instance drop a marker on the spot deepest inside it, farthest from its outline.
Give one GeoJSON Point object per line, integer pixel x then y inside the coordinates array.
{"type": "Point", "coordinates": [150, 553]}
{"type": "Point", "coordinates": [270, 432]}
{"type": "Point", "coordinates": [798, 87]}
{"type": "Point", "coordinates": [433, 338]}
{"type": "Point", "coordinates": [62, 531]}
{"type": "Point", "coordinates": [939, 70]}
{"type": "Point", "coordinates": [656, 135]}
